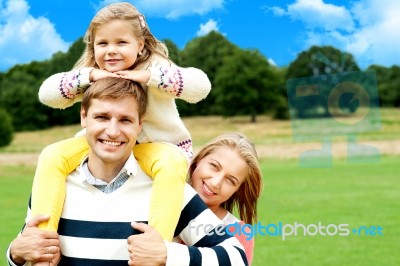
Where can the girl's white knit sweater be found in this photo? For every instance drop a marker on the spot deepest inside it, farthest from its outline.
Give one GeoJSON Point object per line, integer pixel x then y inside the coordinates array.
{"type": "Point", "coordinates": [168, 82]}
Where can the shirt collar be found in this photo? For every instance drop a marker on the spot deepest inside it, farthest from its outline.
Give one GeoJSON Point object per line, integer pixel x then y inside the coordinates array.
{"type": "Point", "coordinates": [130, 167]}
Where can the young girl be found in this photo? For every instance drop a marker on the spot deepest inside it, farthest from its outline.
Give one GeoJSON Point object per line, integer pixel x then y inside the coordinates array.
{"type": "Point", "coordinates": [120, 44]}
{"type": "Point", "coordinates": [226, 175]}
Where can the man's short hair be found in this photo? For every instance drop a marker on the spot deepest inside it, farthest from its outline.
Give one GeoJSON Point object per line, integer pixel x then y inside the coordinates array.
{"type": "Point", "coordinates": [115, 88]}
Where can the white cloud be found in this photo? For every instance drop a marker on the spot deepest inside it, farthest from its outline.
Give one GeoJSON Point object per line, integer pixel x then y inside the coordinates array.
{"type": "Point", "coordinates": [173, 9]}
{"type": "Point", "coordinates": [272, 62]}
{"type": "Point", "coordinates": [207, 27]}
{"type": "Point", "coordinates": [377, 38]}
{"type": "Point", "coordinates": [368, 29]}
{"type": "Point", "coordinates": [277, 11]}
{"type": "Point", "coordinates": [316, 14]}
{"type": "Point", "coordinates": [24, 38]}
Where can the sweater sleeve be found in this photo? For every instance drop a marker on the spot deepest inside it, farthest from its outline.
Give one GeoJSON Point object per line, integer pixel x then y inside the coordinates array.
{"type": "Point", "coordinates": [189, 84]}
{"type": "Point", "coordinates": [207, 241]}
{"type": "Point", "coordinates": [63, 89]}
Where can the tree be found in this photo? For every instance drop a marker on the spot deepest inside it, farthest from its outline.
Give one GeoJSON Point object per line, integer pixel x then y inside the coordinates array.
{"type": "Point", "coordinates": [321, 60]}
{"type": "Point", "coordinates": [388, 80]}
{"type": "Point", "coordinates": [245, 84]}
{"type": "Point", "coordinates": [6, 128]}
{"type": "Point", "coordinates": [316, 64]}
{"type": "Point", "coordinates": [19, 97]}
{"type": "Point", "coordinates": [19, 91]}
{"type": "Point", "coordinates": [173, 51]}
{"type": "Point", "coordinates": [206, 53]}
{"type": "Point", "coordinates": [281, 103]}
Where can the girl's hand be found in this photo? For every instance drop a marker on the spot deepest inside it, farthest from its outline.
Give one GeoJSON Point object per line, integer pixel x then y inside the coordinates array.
{"type": "Point", "coordinates": [142, 76]}
{"type": "Point", "coordinates": [97, 74]}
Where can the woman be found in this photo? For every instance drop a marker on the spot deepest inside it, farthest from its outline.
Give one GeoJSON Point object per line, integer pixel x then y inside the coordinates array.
{"type": "Point", "coordinates": [226, 175]}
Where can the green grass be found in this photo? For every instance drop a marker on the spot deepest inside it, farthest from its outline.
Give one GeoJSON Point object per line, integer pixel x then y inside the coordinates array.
{"type": "Point", "coordinates": [354, 194]}
{"type": "Point", "coordinates": [15, 187]}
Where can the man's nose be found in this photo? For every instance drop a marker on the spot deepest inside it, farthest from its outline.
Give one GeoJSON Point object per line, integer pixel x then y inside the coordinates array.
{"type": "Point", "coordinates": [113, 129]}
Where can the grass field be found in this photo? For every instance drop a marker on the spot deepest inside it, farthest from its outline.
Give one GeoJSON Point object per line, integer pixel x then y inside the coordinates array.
{"type": "Point", "coordinates": [356, 194]}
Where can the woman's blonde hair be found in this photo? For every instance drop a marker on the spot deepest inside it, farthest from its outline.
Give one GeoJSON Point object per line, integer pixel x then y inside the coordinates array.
{"type": "Point", "coordinates": [126, 12]}
{"type": "Point", "coordinates": [245, 198]}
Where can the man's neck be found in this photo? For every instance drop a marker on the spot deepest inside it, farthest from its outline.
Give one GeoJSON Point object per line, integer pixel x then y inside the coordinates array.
{"type": "Point", "coordinates": [103, 170]}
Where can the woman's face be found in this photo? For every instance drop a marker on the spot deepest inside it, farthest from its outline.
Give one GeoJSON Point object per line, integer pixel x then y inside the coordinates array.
{"type": "Point", "coordinates": [219, 175]}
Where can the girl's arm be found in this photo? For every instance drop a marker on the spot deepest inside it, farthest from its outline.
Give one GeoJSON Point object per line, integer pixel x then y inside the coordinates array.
{"type": "Point", "coordinates": [55, 162]}
{"type": "Point", "coordinates": [167, 165]}
{"type": "Point", "coordinates": [187, 83]}
{"type": "Point", "coordinates": [63, 89]}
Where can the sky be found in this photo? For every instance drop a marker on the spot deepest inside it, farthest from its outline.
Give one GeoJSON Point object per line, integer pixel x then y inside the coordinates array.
{"type": "Point", "coordinates": [279, 29]}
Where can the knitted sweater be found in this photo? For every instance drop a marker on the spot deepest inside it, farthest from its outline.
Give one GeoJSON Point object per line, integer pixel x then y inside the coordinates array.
{"type": "Point", "coordinates": [168, 82]}
{"type": "Point", "coordinates": [94, 226]}
{"type": "Point", "coordinates": [248, 244]}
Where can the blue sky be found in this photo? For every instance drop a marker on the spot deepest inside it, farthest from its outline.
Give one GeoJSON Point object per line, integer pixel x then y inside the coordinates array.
{"type": "Point", "coordinates": [279, 29]}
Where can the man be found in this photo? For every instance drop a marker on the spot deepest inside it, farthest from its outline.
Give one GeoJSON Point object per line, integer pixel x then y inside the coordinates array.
{"type": "Point", "coordinates": [109, 191]}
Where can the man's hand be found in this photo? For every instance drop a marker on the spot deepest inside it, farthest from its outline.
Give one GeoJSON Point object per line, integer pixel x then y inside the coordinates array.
{"type": "Point", "coordinates": [142, 76]}
{"type": "Point", "coordinates": [147, 248]}
{"type": "Point", "coordinates": [34, 244]}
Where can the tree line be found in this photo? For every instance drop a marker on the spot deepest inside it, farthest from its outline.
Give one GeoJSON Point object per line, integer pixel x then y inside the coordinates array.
{"type": "Point", "coordinates": [243, 82]}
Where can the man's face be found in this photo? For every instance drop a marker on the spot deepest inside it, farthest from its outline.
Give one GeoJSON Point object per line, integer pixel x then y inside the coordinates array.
{"type": "Point", "coordinates": [112, 126]}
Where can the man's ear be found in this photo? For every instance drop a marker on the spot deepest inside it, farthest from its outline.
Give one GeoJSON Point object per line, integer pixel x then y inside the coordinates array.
{"type": "Point", "coordinates": [83, 118]}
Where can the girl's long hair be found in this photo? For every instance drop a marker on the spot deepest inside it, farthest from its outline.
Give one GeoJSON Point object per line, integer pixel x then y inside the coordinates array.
{"type": "Point", "coordinates": [126, 12]}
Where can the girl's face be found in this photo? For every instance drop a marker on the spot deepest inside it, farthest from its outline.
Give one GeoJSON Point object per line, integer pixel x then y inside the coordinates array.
{"type": "Point", "coordinates": [115, 46]}
{"type": "Point", "coordinates": [219, 175]}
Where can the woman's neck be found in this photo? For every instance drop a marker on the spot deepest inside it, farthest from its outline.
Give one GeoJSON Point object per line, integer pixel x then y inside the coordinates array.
{"type": "Point", "coordinates": [219, 211]}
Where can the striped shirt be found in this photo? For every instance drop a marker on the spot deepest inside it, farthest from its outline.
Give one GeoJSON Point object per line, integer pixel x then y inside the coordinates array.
{"type": "Point", "coordinates": [94, 226]}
